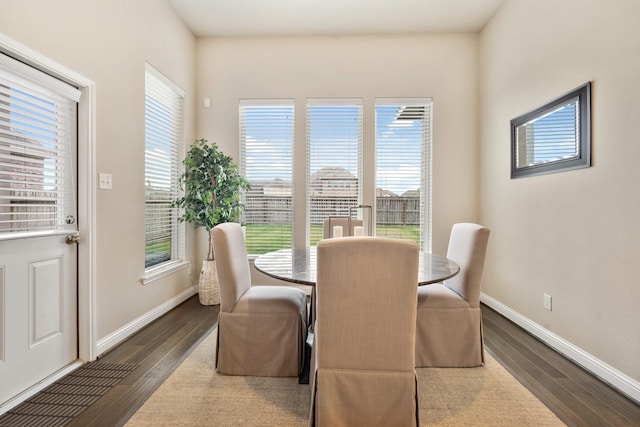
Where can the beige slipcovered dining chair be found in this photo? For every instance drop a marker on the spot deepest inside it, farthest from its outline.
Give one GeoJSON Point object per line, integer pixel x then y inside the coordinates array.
{"type": "Point", "coordinates": [449, 321]}
{"type": "Point", "coordinates": [363, 362]}
{"type": "Point", "coordinates": [262, 330]}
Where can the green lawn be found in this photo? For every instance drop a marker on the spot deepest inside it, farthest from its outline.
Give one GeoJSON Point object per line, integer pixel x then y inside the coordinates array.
{"type": "Point", "coordinates": [159, 247]}
{"type": "Point", "coordinates": [157, 252]}
{"type": "Point", "coordinates": [266, 238]}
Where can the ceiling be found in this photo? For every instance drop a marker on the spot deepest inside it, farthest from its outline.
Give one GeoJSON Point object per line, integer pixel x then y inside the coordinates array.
{"type": "Point", "coordinates": [220, 18]}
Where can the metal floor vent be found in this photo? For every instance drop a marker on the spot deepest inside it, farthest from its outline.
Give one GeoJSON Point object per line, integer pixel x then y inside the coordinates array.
{"type": "Point", "coordinates": [61, 402]}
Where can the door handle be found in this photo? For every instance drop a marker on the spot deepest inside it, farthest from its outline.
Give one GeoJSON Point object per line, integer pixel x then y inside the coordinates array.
{"type": "Point", "coordinates": [70, 239]}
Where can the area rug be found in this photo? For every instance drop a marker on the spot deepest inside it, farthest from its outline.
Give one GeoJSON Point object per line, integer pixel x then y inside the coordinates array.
{"type": "Point", "coordinates": [195, 395]}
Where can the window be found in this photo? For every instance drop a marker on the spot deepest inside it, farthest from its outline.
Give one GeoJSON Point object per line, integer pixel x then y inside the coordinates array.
{"type": "Point", "coordinates": [164, 236]}
{"type": "Point", "coordinates": [554, 137]}
{"type": "Point", "coordinates": [334, 168]}
{"type": "Point", "coordinates": [37, 152]}
{"type": "Point", "coordinates": [334, 153]}
{"type": "Point", "coordinates": [266, 160]}
{"type": "Point", "coordinates": [403, 169]}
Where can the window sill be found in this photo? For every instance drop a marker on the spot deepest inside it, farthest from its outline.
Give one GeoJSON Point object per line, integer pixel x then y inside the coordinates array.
{"type": "Point", "coordinates": [166, 269]}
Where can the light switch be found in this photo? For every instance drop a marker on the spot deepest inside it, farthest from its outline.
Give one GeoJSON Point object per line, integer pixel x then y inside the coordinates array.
{"type": "Point", "coordinates": [105, 181]}
{"type": "Point", "coordinates": [206, 103]}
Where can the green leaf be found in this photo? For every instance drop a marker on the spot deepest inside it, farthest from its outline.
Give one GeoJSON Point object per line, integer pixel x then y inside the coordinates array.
{"type": "Point", "coordinates": [209, 175]}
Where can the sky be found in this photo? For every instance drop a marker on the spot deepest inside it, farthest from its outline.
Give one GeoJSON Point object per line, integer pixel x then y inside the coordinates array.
{"type": "Point", "coordinates": [334, 134]}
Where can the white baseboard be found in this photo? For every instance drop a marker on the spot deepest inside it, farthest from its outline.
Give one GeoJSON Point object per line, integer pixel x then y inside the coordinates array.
{"type": "Point", "coordinates": [131, 328]}
{"type": "Point", "coordinates": [606, 373]}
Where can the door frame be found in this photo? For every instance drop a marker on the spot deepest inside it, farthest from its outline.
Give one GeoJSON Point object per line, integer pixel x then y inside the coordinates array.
{"type": "Point", "coordinates": [87, 340]}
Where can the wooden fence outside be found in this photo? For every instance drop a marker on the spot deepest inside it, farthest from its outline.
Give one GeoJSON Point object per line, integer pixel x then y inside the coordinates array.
{"type": "Point", "coordinates": [279, 209]}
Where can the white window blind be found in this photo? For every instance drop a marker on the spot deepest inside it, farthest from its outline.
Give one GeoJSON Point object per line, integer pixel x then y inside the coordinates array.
{"type": "Point", "coordinates": [554, 136]}
{"type": "Point", "coordinates": [403, 169]}
{"type": "Point", "coordinates": [37, 152]}
{"type": "Point", "coordinates": [164, 236]}
{"type": "Point", "coordinates": [266, 160]}
{"type": "Point", "coordinates": [334, 153]}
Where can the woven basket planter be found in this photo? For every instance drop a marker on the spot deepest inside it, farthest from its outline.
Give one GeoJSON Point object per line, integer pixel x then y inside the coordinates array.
{"type": "Point", "coordinates": [208, 287]}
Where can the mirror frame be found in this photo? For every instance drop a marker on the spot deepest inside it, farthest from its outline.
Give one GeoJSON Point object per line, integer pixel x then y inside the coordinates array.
{"type": "Point", "coordinates": [582, 160]}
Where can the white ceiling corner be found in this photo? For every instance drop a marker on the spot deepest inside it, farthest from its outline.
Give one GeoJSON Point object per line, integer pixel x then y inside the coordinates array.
{"type": "Point", "coordinates": [223, 18]}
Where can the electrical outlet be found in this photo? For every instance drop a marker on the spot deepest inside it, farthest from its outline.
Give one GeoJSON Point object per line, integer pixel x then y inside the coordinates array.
{"type": "Point", "coordinates": [105, 181]}
{"type": "Point", "coordinates": [547, 302]}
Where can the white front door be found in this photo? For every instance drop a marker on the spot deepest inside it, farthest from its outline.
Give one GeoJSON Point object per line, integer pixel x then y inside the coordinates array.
{"type": "Point", "coordinates": [38, 267]}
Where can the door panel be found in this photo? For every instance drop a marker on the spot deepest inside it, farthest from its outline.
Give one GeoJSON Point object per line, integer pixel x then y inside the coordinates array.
{"type": "Point", "coordinates": [45, 299]}
{"type": "Point", "coordinates": [39, 302]}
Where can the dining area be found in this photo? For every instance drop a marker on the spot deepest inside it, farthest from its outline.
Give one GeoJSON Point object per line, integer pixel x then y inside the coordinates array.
{"type": "Point", "coordinates": [379, 308]}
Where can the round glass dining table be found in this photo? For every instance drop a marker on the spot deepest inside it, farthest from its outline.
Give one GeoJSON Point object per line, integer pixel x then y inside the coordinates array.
{"type": "Point", "coordinates": [299, 266]}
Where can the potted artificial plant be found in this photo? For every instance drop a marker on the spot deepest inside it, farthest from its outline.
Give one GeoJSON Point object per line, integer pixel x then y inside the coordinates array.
{"type": "Point", "coordinates": [211, 184]}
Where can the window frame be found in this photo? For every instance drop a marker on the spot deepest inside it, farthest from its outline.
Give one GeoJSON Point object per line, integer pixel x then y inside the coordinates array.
{"type": "Point", "coordinates": [340, 181]}
{"type": "Point", "coordinates": [279, 189]}
{"type": "Point", "coordinates": [177, 252]}
{"type": "Point", "coordinates": [300, 166]}
{"type": "Point", "coordinates": [426, 164]}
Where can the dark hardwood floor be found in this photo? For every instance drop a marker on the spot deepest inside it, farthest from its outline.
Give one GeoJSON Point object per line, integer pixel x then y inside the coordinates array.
{"type": "Point", "coordinates": [577, 397]}
{"type": "Point", "coordinates": [158, 349]}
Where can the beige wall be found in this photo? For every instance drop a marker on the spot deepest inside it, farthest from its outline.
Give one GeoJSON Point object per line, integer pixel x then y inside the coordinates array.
{"type": "Point", "coordinates": [574, 235]}
{"type": "Point", "coordinates": [443, 67]}
{"type": "Point", "coordinates": [108, 41]}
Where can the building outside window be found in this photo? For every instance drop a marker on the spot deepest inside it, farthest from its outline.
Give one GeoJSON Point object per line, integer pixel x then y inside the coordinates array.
{"type": "Point", "coordinates": [334, 159]}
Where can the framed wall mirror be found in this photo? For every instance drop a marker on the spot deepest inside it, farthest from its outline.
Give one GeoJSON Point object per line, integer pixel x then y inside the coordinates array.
{"type": "Point", "coordinates": [555, 137]}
